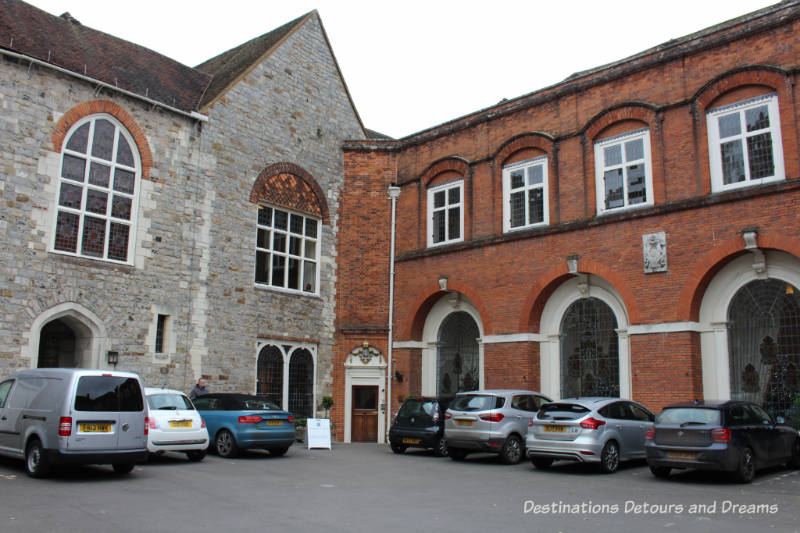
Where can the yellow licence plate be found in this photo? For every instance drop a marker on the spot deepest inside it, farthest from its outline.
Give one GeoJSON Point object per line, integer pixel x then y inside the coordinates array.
{"type": "Point", "coordinates": [465, 422]}
{"type": "Point", "coordinates": [681, 455]}
{"type": "Point", "coordinates": [555, 429]}
{"type": "Point", "coordinates": [95, 428]}
{"type": "Point", "coordinates": [274, 422]}
{"type": "Point", "coordinates": [410, 441]}
{"type": "Point", "coordinates": [180, 423]}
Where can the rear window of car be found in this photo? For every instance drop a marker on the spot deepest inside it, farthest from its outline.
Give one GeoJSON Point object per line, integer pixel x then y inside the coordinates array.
{"type": "Point", "coordinates": [561, 411]}
{"type": "Point", "coordinates": [417, 408]}
{"type": "Point", "coordinates": [108, 393]}
{"type": "Point", "coordinates": [252, 404]}
{"type": "Point", "coordinates": [169, 401]}
{"type": "Point", "coordinates": [477, 402]}
{"type": "Point", "coordinates": [689, 416]}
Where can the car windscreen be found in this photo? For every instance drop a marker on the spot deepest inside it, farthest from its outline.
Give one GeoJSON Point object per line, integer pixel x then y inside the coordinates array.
{"type": "Point", "coordinates": [169, 401]}
{"type": "Point", "coordinates": [687, 416]}
{"type": "Point", "coordinates": [417, 408]}
{"type": "Point", "coordinates": [561, 411]}
{"type": "Point", "coordinates": [476, 402]}
{"type": "Point", "coordinates": [256, 404]}
{"type": "Point", "coordinates": [108, 393]}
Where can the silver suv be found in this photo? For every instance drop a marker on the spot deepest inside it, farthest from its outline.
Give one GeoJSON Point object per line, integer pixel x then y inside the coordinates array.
{"type": "Point", "coordinates": [493, 421]}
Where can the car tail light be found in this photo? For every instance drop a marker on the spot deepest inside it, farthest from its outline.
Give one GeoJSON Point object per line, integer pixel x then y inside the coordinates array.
{"type": "Point", "coordinates": [147, 425]}
{"type": "Point", "coordinates": [651, 433]}
{"type": "Point", "coordinates": [494, 417]}
{"type": "Point", "coordinates": [592, 423]}
{"type": "Point", "coordinates": [151, 422]}
{"type": "Point", "coordinates": [65, 426]}
{"type": "Point", "coordinates": [290, 419]}
{"type": "Point", "coordinates": [202, 423]}
{"type": "Point", "coordinates": [448, 416]}
{"type": "Point", "coordinates": [530, 423]}
{"type": "Point", "coordinates": [721, 435]}
{"type": "Point", "coordinates": [250, 419]}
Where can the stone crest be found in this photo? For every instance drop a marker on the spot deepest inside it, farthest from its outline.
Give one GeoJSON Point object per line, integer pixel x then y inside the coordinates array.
{"type": "Point", "coordinates": [654, 247]}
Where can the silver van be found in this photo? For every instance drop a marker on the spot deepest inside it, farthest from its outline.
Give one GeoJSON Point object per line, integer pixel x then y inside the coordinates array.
{"type": "Point", "coordinates": [54, 416]}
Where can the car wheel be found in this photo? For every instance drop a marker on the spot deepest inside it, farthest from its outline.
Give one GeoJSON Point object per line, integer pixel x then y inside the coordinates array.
{"type": "Point", "coordinates": [123, 468]}
{"type": "Point", "coordinates": [225, 444]}
{"type": "Point", "coordinates": [456, 454]}
{"type": "Point", "coordinates": [746, 470]}
{"type": "Point", "coordinates": [609, 457]}
{"type": "Point", "coordinates": [277, 452]}
{"type": "Point", "coordinates": [196, 455]}
{"type": "Point", "coordinates": [660, 471]}
{"type": "Point", "coordinates": [36, 462]}
{"type": "Point", "coordinates": [542, 463]}
{"type": "Point", "coordinates": [511, 453]}
{"type": "Point", "coordinates": [794, 461]}
{"type": "Point", "coordinates": [398, 448]}
{"type": "Point", "coordinates": [441, 448]}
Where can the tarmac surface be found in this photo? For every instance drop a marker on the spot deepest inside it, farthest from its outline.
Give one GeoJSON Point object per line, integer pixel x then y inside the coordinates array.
{"type": "Point", "coordinates": [366, 487]}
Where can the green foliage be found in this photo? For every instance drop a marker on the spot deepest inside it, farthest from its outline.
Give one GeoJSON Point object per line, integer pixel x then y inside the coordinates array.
{"type": "Point", "coordinates": [327, 402]}
{"type": "Point", "coordinates": [299, 423]}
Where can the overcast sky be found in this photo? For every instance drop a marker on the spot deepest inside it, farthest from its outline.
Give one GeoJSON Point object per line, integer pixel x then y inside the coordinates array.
{"type": "Point", "coordinates": [415, 64]}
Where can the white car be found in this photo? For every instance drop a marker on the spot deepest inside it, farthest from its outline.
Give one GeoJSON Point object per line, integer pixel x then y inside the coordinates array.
{"type": "Point", "coordinates": [175, 425]}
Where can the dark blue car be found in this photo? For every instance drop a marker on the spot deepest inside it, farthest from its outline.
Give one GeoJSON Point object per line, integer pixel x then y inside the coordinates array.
{"type": "Point", "coordinates": [240, 421]}
{"type": "Point", "coordinates": [731, 436]}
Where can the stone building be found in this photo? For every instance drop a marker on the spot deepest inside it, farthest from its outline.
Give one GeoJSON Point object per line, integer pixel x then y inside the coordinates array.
{"type": "Point", "coordinates": [631, 231]}
{"type": "Point", "coordinates": [174, 221]}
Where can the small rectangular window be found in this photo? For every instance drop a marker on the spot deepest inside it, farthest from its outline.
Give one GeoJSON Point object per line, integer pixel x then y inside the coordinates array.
{"type": "Point", "coordinates": [161, 328]}
{"type": "Point", "coordinates": [744, 143]}
{"type": "Point", "coordinates": [525, 202]}
{"type": "Point", "coordinates": [623, 171]}
{"type": "Point", "coordinates": [445, 214]}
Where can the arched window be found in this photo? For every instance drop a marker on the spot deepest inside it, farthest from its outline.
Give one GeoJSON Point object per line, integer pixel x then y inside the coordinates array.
{"type": "Point", "coordinates": [97, 193]}
{"type": "Point", "coordinates": [270, 374]}
{"type": "Point", "coordinates": [301, 383]}
{"type": "Point", "coordinates": [457, 355]}
{"type": "Point", "coordinates": [764, 344]}
{"type": "Point", "coordinates": [589, 350]}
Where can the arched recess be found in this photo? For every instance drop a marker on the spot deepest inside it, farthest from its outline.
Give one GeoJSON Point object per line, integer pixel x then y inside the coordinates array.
{"type": "Point", "coordinates": [289, 185]}
{"type": "Point", "coordinates": [713, 313]}
{"type": "Point", "coordinates": [777, 80]}
{"type": "Point", "coordinates": [570, 291]}
{"type": "Point", "coordinates": [91, 339]}
{"type": "Point", "coordinates": [414, 328]}
{"type": "Point", "coordinates": [442, 309]}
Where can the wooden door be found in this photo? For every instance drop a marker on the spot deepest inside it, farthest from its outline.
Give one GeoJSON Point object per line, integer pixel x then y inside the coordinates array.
{"type": "Point", "coordinates": [365, 414]}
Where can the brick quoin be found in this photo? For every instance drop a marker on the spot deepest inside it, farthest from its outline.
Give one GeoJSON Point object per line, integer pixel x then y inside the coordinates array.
{"type": "Point", "coordinates": [511, 277]}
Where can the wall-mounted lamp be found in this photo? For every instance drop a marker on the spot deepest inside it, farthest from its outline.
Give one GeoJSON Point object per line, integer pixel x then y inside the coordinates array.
{"type": "Point", "coordinates": [398, 376]}
{"type": "Point", "coordinates": [112, 358]}
{"type": "Point", "coordinates": [443, 282]}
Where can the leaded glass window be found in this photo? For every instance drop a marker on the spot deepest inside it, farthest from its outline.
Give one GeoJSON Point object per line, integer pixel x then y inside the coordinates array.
{"type": "Point", "coordinates": [287, 250]}
{"type": "Point", "coordinates": [458, 364]}
{"type": "Point", "coordinates": [270, 374]}
{"type": "Point", "coordinates": [97, 191]}
{"type": "Point", "coordinates": [589, 350]}
{"type": "Point", "coordinates": [301, 383]}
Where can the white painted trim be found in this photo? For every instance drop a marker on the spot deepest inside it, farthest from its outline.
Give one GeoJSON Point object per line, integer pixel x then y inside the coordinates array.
{"type": "Point", "coordinates": [600, 168]}
{"type": "Point", "coordinates": [446, 187]}
{"type": "Point", "coordinates": [372, 374]}
{"type": "Point", "coordinates": [408, 344]}
{"type": "Point", "coordinates": [524, 165]}
{"type": "Point", "coordinates": [293, 347]}
{"type": "Point", "coordinates": [714, 311]}
{"type": "Point", "coordinates": [514, 337]}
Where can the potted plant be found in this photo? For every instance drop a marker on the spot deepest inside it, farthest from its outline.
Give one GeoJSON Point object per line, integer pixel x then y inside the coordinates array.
{"type": "Point", "coordinates": [300, 429]}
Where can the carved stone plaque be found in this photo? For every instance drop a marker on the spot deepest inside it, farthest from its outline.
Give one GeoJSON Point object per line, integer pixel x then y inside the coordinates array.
{"type": "Point", "coordinates": [654, 247]}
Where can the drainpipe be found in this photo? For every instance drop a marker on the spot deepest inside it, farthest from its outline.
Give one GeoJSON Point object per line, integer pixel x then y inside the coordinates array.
{"type": "Point", "coordinates": [394, 193]}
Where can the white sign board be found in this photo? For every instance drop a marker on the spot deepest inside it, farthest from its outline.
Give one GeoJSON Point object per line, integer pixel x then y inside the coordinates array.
{"type": "Point", "coordinates": [318, 433]}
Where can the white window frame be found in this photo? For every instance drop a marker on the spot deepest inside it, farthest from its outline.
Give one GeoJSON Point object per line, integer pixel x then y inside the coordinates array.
{"type": "Point", "coordinates": [526, 188]}
{"type": "Point", "coordinates": [601, 168]}
{"type": "Point", "coordinates": [86, 186]}
{"type": "Point", "coordinates": [714, 142]}
{"type": "Point", "coordinates": [286, 252]}
{"type": "Point", "coordinates": [446, 187]}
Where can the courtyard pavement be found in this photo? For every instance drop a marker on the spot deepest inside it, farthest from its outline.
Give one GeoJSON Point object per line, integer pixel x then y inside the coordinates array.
{"type": "Point", "coordinates": [365, 487]}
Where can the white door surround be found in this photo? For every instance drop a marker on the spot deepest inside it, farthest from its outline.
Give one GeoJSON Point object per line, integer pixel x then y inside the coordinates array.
{"type": "Point", "coordinates": [366, 366]}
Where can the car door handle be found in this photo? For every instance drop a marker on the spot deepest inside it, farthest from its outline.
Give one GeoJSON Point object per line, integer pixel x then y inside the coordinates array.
{"type": "Point", "coordinates": [619, 427]}
{"type": "Point", "coordinates": [3, 417]}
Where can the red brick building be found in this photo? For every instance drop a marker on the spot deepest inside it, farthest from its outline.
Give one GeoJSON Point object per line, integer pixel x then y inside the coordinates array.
{"type": "Point", "coordinates": [632, 231]}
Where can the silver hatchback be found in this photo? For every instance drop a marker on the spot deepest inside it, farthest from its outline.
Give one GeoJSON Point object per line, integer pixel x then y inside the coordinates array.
{"type": "Point", "coordinates": [493, 421]}
{"type": "Point", "coordinates": [590, 430]}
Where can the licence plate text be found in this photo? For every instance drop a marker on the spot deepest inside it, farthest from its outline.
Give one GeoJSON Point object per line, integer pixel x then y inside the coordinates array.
{"type": "Point", "coordinates": [555, 429]}
{"type": "Point", "coordinates": [95, 428]}
{"type": "Point", "coordinates": [180, 423]}
{"type": "Point", "coordinates": [274, 422]}
{"type": "Point", "coordinates": [681, 455]}
{"type": "Point", "coordinates": [465, 422]}
{"type": "Point", "coordinates": [410, 441]}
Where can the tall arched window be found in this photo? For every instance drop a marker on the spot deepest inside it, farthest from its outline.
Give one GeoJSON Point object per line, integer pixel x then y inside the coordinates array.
{"type": "Point", "coordinates": [589, 350]}
{"type": "Point", "coordinates": [457, 355]}
{"type": "Point", "coordinates": [270, 374]}
{"type": "Point", "coordinates": [98, 188]}
{"type": "Point", "coordinates": [764, 344]}
{"type": "Point", "coordinates": [301, 383]}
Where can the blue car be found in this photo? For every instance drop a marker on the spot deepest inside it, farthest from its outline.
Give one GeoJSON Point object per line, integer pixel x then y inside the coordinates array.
{"type": "Point", "coordinates": [241, 421]}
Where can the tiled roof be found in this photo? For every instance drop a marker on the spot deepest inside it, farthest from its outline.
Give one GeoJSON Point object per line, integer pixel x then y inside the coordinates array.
{"type": "Point", "coordinates": [64, 42]}
{"type": "Point", "coordinates": [227, 67]}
